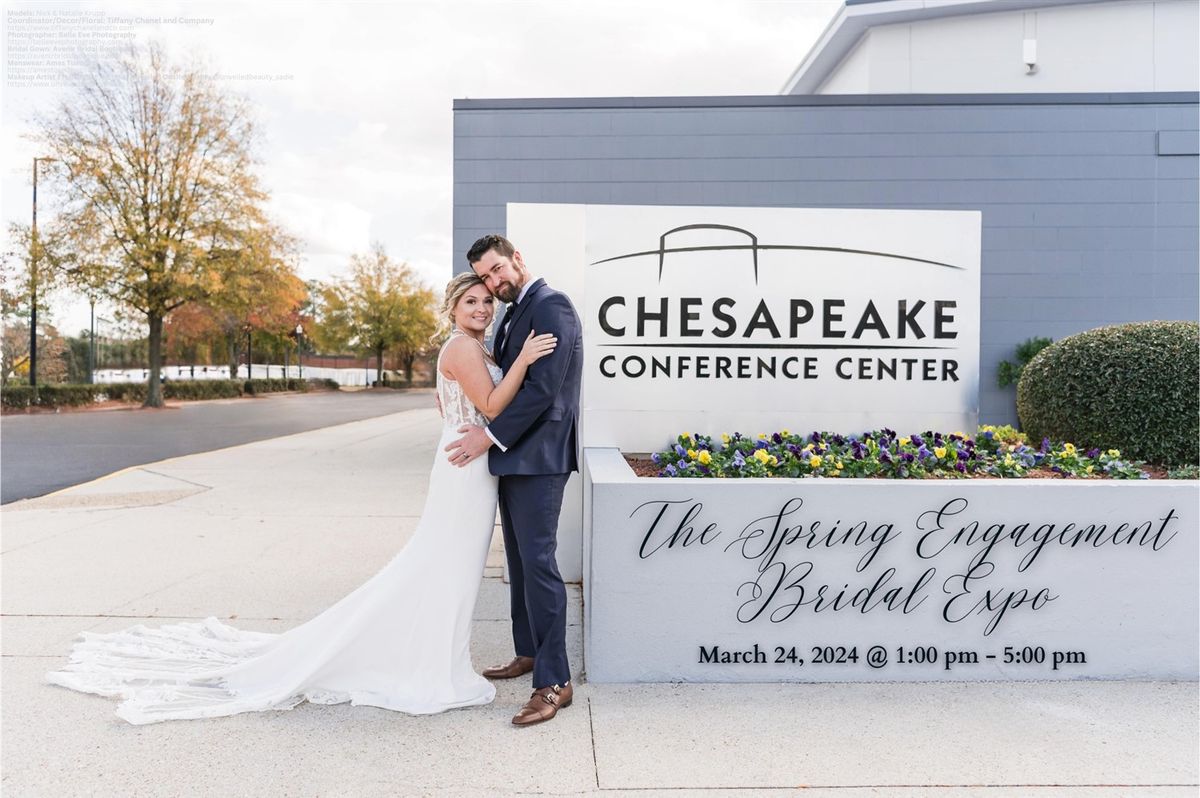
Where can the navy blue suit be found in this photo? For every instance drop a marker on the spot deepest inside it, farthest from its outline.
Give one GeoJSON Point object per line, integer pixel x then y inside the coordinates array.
{"type": "Point", "coordinates": [538, 430]}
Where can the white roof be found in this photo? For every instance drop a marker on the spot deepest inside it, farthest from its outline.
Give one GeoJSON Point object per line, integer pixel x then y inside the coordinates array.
{"type": "Point", "coordinates": [857, 16]}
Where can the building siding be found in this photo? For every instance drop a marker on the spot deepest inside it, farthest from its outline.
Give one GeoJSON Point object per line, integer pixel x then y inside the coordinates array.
{"type": "Point", "coordinates": [1086, 221]}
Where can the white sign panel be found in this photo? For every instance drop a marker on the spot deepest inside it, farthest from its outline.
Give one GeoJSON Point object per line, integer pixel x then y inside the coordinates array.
{"type": "Point", "coordinates": [720, 319]}
{"type": "Point", "coordinates": [857, 580]}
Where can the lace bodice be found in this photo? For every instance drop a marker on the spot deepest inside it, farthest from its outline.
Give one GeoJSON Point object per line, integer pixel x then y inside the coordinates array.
{"type": "Point", "coordinates": [456, 407]}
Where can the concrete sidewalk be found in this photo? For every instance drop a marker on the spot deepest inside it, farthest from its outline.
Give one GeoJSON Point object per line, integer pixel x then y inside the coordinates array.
{"type": "Point", "coordinates": [270, 533]}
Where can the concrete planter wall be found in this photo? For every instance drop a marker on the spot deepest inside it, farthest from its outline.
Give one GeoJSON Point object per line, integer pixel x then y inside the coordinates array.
{"type": "Point", "coordinates": [874, 580]}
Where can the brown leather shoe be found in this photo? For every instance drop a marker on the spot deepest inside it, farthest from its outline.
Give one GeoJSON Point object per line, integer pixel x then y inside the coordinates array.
{"type": "Point", "coordinates": [518, 667]}
{"type": "Point", "coordinates": [544, 704]}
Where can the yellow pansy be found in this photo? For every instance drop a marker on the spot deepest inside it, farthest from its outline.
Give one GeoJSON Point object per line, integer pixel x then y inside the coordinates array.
{"type": "Point", "coordinates": [761, 455]}
{"type": "Point", "coordinates": [1008, 459]}
{"type": "Point", "coordinates": [774, 461]}
{"type": "Point", "coordinates": [705, 458]}
{"type": "Point", "coordinates": [905, 441]}
{"type": "Point", "coordinates": [815, 461]}
{"type": "Point", "coordinates": [785, 433]}
{"type": "Point", "coordinates": [1090, 469]}
{"type": "Point", "coordinates": [940, 452]}
{"type": "Point", "coordinates": [810, 447]}
{"type": "Point", "coordinates": [838, 465]}
{"type": "Point", "coordinates": [1114, 452]}
{"type": "Point", "coordinates": [724, 438]}
{"type": "Point", "coordinates": [1069, 448]}
{"type": "Point", "coordinates": [762, 436]}
{"type": "Point", "coordinates": [691, 454]}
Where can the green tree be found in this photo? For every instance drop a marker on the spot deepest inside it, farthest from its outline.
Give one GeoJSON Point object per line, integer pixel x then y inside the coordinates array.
{"type": "Point", "coordinates": [381, 307]}
{"type": "Point", "coordinates": [1008, 373]}
{"type": "Point", "coordinates": [159, 198]}
{"type": "Point", "coordinates": [16, 292]}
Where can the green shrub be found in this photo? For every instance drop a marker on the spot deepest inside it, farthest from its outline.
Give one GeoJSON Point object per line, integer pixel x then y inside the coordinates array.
{"type": "Point", "coordinates": [66, 395]}
{"type": "Point", "coordinates": [1008, 373]}
{"type": "Point", "coordinates": [124, 391]}
{"type": "Point", "coordinates": [255, 387]}
{"type": "Point", "coordinates": [22, 396]}
{"type": "Point", "coordinates": [1184, 472]}
{"type": "Point", "coordinates": [18, 395]}
{"type": "Point", "coordinates": [1133, 387]}
{"type": "Point", "coordinates": [202, 389]}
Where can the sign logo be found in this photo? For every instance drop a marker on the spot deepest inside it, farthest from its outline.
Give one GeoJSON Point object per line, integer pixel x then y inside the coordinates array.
{"type": "Point", "coordinates": [753, 247]}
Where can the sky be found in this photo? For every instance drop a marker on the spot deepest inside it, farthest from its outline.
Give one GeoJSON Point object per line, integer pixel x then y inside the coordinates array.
{"type": "Point", "coordinates": [354, 99]}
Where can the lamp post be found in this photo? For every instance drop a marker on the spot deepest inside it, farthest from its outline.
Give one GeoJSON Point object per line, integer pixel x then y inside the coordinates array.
{"type": "Point", "coordinates": [300, 348]}
{"type": "Point", "coordinates": [109, 322]}
{"type": "Point", "coordinates": [92, 344]}
{"type": "Point", "coordinates": [33, 253]}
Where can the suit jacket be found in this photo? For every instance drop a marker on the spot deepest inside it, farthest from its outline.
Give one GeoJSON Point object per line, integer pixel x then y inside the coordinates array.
{"type": "Point", "coordinates": [539, 427]}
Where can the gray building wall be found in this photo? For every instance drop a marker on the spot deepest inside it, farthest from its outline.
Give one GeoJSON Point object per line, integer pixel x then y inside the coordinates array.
{"type": "Point", "coordinates": [1090, 202]}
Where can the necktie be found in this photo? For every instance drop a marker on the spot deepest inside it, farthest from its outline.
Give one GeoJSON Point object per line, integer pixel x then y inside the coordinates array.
{"type": "Point", "coordinates": [502, 336]}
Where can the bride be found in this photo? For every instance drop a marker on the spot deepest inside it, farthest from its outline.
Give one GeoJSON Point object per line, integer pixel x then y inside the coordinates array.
{"type": "Point", "coordinates": [400, 641]}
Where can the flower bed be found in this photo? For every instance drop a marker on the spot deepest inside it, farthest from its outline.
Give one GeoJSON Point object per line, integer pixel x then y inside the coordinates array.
{"type": "Point", "coordinates": [1000, 452]}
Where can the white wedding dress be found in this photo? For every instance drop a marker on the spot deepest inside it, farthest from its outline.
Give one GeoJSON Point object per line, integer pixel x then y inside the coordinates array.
{"type": "Point", "coordinates": [400, 641]}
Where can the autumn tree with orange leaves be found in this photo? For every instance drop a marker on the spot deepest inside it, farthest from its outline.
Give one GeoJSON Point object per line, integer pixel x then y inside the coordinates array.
{"type": "Point", "coordinates": [154, 165]}
{"type": "Point", "coordinates": [380, 307]}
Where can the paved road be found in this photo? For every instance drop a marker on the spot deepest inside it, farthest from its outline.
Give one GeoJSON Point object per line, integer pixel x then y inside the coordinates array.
{"type": "Point", "coordinates": [46, 452]}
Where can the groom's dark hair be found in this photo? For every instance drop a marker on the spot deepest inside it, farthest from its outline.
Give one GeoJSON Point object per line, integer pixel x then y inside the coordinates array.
{"type": "Point", "coordinates": [502, 245]}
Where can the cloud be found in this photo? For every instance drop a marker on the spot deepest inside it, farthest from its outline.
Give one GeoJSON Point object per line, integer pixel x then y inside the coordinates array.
{"type": "Point", "coordinates": [354, 100]}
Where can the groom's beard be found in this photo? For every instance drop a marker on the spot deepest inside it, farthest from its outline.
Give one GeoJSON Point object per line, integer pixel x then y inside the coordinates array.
{"type": "Point", "coordinates": [507, 292]}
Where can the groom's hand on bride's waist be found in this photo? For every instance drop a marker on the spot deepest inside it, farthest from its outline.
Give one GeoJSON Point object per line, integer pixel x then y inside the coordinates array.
{"type": "Point", "coordinates": [474, 443]}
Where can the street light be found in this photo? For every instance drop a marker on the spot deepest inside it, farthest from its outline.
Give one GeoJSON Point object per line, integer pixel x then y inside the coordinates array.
{"type": "Point", "coordinates": [92, 344]}
{"type": "Point", "coordinates": [33, 253]}
{"type": "Point", "coordinates": [300, 348]}
{"type": "Point", "coordinates": [109, 322]}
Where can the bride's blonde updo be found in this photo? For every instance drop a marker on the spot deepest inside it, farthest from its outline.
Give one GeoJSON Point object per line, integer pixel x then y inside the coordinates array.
{"type": "Point", "coordinates": [459, 285]}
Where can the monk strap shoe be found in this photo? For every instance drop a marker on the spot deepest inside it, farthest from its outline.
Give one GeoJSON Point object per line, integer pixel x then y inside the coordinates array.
{"type": "Point", "coordinates": [544, 704]}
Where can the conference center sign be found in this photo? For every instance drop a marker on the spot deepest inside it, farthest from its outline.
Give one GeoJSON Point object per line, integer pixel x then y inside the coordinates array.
{"type": "Point", "coordinates": [754, 319]}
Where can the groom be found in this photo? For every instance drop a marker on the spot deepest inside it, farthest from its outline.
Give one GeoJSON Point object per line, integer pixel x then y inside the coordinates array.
{"type": "Point", "coordinates": [533, 455]}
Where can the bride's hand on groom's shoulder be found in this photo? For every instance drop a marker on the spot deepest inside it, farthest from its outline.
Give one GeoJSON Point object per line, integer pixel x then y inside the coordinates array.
{"type": "Point", "coordinates": [537, 347]}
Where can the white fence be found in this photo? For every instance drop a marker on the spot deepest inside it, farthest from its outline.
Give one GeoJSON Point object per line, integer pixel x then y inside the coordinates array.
{"type": "Point", "coordinates": [350, 377]}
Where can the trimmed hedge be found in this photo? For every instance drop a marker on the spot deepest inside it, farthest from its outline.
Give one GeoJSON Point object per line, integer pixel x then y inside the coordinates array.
{"type": "Point", "coordinates": [65, 395]}
{"type": "Point", "coordinates": [202, 389]}
{"type": "Point", "coordinates": [18, 395]}
{"type": "Point", "coordinates": [1133, 387]}
{"type": "Point", "coordinates": [253, 387]}
{"type": "Point", "coordinates": [123, 391]}
{"type": "Point", "coordinates": [24, 396]}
